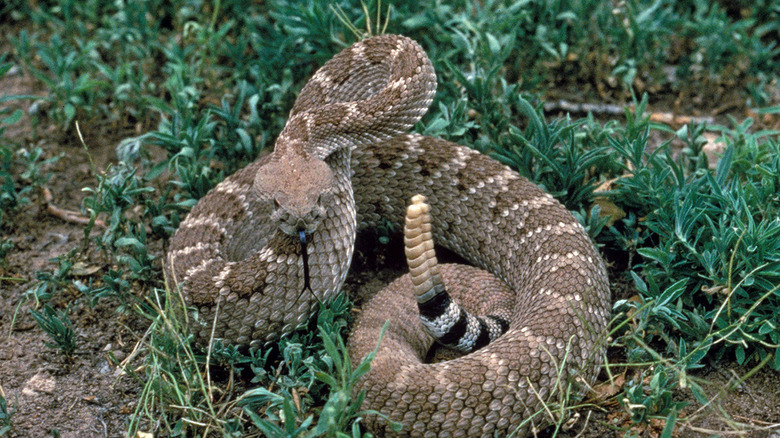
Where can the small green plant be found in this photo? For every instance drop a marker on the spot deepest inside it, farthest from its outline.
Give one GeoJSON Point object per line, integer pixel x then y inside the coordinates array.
{"type": "Point", "coordinates": [6, 415]}
{"type": "Point", "coordinates": [112, 284]}
{"type": "Point", "coordinates": [11, 196]}
{"type": "Point", "coordinates": [340, 412]}
{"type": "Point", "coordinates": [65, 71]}
{"type": "Point", "coordinates": [556, 156]}
{"type": "Point", "coordinates": [6, 245]}
{"type": "Point", "coordinates": [57, 325]}
{"type": "Point", "coordinates": [50, 282]}
{"type": "Point", "coordinates": [8, 116]}
{"type": "Point", "coordinates": [34, 163]}
{"type": "Point", "coordinates": [303, 351]}
{"type": "Point", "coordinates": [644, 400]}
{"type": "Point", "coordinates": [117, 191]}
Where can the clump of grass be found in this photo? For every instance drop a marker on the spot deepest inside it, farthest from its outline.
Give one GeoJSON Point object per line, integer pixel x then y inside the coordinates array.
{"type": "Point", "coordinates": [175, 394]}
{"type": "Point", "coordinates": [93, 64]}
{"type": "Point", "coordinates": [315, 396]}
{"type": "Point", "coordinates": [715, 233]}
{"type": "Point", "coordinates": [706, 287]}
{"type": "Point", "coordinates": [180, 394]}
{"type": "Point", "coordinates": [57, 325]}
{"type": "Point", "coordinates": [12, 194]}
{"type": "Point", "coordinates": [284, 415]}
{"type": "Point", "coordinates": [124, 238]}
{"type": "Point", "coordinates": [604, 49]}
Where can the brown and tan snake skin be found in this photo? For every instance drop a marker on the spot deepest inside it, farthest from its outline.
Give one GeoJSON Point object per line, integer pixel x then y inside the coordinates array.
{"type": "Point", "coordinates": [343, 163]}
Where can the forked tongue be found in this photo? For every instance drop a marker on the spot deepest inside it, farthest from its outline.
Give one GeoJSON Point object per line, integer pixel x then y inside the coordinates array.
{"type": "Point", "coordinates": [305, 255]}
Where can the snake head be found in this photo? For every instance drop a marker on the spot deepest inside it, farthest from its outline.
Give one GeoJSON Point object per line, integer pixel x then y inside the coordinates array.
{"type": "Point", "coordinates": [300, 186]}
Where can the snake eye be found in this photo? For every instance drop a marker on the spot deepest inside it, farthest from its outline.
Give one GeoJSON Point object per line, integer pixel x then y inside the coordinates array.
{"type": "Point", "coordinates": [276, 204]}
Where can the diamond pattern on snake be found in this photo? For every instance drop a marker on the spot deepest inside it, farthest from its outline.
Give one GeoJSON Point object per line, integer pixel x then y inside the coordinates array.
{"type": "Point", "coordinates": [258, 252]}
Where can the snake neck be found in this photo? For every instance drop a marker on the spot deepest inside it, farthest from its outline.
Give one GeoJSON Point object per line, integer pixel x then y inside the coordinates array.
{"type": "Point", "coordinates": [343, 198]}
{"type": "Point", "coordinates": [332, 244]}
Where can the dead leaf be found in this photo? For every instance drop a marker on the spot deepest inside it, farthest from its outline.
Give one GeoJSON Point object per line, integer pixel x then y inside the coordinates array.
{"type": "Point", "coordinates": [609, 209]}
{"type": "Point", "coordinates": [81, 269]}
{"type": "Point", "coordinates": [610, 388]}
{"type": "Point", "coordinates": [606, 206]}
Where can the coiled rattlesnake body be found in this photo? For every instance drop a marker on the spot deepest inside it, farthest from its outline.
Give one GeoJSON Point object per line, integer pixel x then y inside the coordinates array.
{"type": "Point", "coordinates": [238, 255]}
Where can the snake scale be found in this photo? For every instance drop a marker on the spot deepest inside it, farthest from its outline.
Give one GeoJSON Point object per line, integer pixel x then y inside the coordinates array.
{"type": "Point", "coordinates": [257, 253]}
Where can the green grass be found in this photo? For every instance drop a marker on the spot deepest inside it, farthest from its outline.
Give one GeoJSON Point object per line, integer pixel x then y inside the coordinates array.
{"type": "Point", "coordinates": [59, 328]}
{"type": "Point", "coordinates": [6, 415]}
{"type": "Point", "coordinates": [212, 83]}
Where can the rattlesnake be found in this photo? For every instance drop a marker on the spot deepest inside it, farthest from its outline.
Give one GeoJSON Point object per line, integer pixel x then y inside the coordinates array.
{"type": "Point", "coordinates": [237, 257]}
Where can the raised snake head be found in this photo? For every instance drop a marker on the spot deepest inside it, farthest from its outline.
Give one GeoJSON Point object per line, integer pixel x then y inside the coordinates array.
{"type": "Point", "coordinates": [300, 186]}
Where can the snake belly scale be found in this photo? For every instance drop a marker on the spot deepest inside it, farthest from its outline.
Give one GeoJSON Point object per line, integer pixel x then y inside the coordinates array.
{"type": "Point", "coordinates": [343, 163]}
